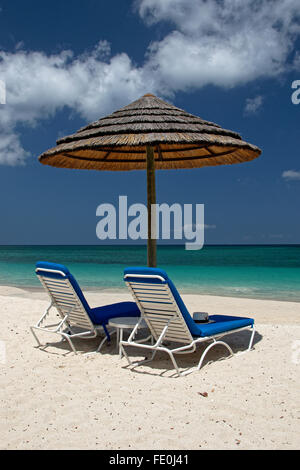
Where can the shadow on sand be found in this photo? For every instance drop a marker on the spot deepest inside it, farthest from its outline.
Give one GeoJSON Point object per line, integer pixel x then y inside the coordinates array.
{"type": "Point", "coordinates": [161, 364]}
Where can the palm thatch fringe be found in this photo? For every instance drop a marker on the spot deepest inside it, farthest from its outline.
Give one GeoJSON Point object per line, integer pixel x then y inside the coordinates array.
{"type": "Point", "coordinates": [179, 139]}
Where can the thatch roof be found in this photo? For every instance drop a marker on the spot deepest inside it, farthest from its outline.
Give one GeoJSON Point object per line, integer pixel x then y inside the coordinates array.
{"type": "Point", "coordinates": [180, 140]}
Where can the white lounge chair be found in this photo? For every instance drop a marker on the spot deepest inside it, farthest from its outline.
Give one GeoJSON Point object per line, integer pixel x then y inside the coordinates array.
{"type": "Point", "coordinates": [77, 318]}
{"type": "Point", "coordinates": [169, 321]}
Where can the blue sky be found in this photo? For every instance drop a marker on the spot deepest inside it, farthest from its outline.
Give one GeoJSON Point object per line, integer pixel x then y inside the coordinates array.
{"type": "Point", "coordinates": [68, 63]}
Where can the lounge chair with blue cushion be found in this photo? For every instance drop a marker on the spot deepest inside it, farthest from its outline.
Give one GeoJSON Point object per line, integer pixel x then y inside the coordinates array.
{"type": "Point", "coordinates": [77, 318]}
{"type": "Point", "coordinates": [170, 322]}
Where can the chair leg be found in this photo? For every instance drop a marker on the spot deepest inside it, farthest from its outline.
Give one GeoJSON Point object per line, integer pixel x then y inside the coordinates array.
{"type": "Point", "coordinates": [175, 363]}
{"type": "Point", "coordinates": [35, 336]}
{"type": "Point", "coordinates": [101, 344]}
{"type": "Point", "coordinates": [211, 346]}
{"type": "Point", "coordinates": [65, 336]}
{"type": "Point", "coordinates": [104, 340]}
{"type": "Point", "coordinates": [251, 339]}
{"type": "Point", "coordinates": [144, 361]}
{"type": "Point", "coordinates": [250, 343]}
{"type": "Point", "coordinates": [137, 363]}
{"type": "Point", "coordinates": [125, 354]}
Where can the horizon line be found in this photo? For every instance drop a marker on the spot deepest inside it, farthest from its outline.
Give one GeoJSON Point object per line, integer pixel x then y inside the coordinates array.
{"type": "Point", "coordinates": [145, 245]}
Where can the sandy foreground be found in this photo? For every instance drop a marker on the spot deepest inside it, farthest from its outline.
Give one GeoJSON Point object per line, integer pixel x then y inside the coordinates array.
{"type": "Point", "coordinates": [52, 399]}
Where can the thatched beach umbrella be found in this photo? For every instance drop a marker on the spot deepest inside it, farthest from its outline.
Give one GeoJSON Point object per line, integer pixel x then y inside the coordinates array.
{"type": "Point", "coordinates": [149, 134]}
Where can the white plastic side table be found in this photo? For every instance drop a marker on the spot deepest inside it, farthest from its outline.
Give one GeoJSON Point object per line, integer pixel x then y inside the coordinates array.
{"type": "Point", "coordinates": [125, 323]}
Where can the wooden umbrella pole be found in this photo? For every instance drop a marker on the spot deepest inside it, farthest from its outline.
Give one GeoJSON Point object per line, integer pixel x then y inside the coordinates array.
{"type": "Point", "coordinates": [151, 200]}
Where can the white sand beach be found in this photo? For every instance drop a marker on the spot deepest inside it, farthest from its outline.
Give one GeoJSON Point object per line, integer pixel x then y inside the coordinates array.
{"type": "Point", "coordinates": [52, 399]}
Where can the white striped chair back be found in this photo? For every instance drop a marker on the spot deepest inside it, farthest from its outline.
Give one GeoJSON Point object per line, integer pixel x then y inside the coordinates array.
{"type": "Point", "coordinates": [65, 299]}
{"type": "Point", "coordinates": [158, 307]}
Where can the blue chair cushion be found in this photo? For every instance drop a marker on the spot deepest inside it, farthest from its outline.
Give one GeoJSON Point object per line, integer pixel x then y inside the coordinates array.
{"type": "Point", "coordinates": [101, 315]}
{"type": "Point", "coordinates": [221, 323]}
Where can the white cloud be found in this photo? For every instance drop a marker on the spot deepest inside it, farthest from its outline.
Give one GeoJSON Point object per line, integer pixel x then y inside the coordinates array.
{"type": "Point", "coordinates": [224, 43]}
{"type": "Point", "coordinates": [253, 105]}
{"type": "Point", "coordinates": [219, 42]}
{"type": "Point", "coordinates": [11, 150]}
{"type": "Point", "coordinates": [37, 85]}
{"type": "Point", "coordinates": [291, 175]}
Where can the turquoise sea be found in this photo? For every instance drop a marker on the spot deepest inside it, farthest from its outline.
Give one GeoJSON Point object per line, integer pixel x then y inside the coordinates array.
{"type": "Point", "coordinates": [263, 272]}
